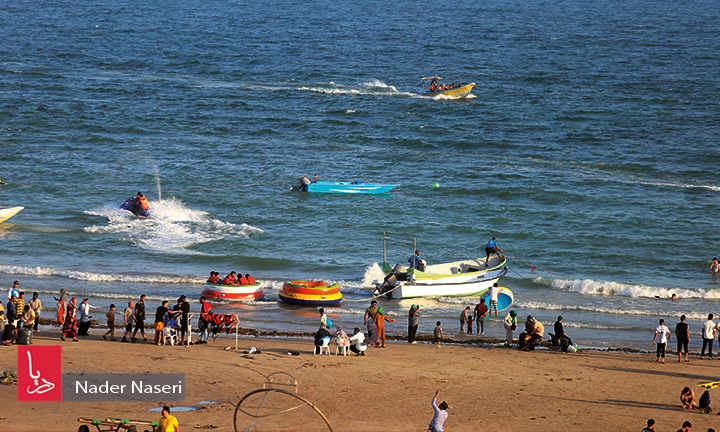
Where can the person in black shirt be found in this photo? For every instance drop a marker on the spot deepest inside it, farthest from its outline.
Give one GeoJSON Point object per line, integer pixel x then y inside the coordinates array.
{"type": "Point", "coordinates": [139, 319]}
{"type": "Point", "coordinates": [319, 336]}
{"type": "Point", "coordinates": [565, 340]}
{"type": "Point", "coordinates": [160, 321]}
{"type": "Point", "coordinates": [184, 307]}
{"type": "Point", "coordinates": [682, 332]}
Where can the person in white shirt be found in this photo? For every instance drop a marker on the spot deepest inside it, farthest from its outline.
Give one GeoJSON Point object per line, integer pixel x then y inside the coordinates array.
{"type": "Point", "coordinates": [437, 424]}
{"type": "Point", "coordinates": [84, 324]}
{"type": "Point", "coordinates": [661, 338]}
{"type": "Point", "coordinates": [494, 291]}
{"type": "Point", "coordinates": [358, 342]}
{"type": "Point", "coordinates": [708, 335]}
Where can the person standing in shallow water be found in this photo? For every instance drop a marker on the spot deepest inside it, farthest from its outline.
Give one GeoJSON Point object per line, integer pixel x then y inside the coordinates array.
{"type": "Point", "coordinates": [714, 265]}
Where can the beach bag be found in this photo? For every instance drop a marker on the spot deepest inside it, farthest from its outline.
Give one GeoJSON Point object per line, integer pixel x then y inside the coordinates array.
{"type": "Point", "coordinates": [24, 336]}
{"type": "Point", "coordinates": [329, 323]}
{"type": "Point", "coordinates": [704, 403]}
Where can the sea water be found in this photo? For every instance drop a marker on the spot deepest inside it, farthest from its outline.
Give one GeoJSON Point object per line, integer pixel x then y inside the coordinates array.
{"type": "Point", "coordinates": [589, 147]}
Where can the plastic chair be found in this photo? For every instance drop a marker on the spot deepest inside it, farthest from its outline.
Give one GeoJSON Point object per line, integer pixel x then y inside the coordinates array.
{"type": "Point", "coordinates": [169, 335]}
{"type": "Point", "coordinates": [325, 347]}
{"type": "Point", "coordinates": [341, 346]}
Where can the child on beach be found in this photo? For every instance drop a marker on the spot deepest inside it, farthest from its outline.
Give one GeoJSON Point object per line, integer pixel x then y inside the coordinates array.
{"type": "Point", "coordinates": [111, 323]}
{"type": "Point", "coordinates": [469, 324]}
{"type": "Point", "coordinates": [438, 333]}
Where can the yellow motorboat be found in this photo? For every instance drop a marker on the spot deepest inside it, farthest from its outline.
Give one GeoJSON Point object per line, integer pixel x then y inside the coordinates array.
{"type": "Point", "coordinates": [456, 90]}
{"type": "Point", "coordinates": [8, 212]}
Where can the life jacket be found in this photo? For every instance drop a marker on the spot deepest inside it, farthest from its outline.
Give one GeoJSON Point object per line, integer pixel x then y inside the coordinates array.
{"type": "Point", "coordinates": [243, 281]}
{"type": "Point", "coordinates": [229, 280]}
{"type": "Point", "coordinates": [143, 202]}
{"type": "Point", "coordinates": [216, 280]}
{"type": "Point", "coordinates": [251, 280]}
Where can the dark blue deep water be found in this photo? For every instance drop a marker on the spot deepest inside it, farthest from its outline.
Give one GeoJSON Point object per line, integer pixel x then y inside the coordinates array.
{"type": "Point", "coordinates": [589, 147]}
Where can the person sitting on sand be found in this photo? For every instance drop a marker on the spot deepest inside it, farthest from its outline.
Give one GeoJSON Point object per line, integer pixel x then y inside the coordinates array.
{"type": "Point", "coordinates": [534, 331]}
{"type": "Point", "coordinates": [320, 335]}
{"type": "Point", "coordinates": [650, 426]}
{"type": "Point", "coordinates": [357, 341]}
{"type": "Point", "coordinates": [687, 397]}
{"type": "Point", "coordinates": [437, 424]}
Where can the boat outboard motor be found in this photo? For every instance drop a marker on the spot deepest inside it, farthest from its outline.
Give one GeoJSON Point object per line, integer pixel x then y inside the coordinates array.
{"type": "Point", "coordinates": [302, 185]}
{"type": "Point", "coordinates": [387, 285]}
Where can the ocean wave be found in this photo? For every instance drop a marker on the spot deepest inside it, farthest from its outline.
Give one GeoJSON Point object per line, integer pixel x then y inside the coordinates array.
{"type": "Point", "coordinates": [100, 277]}
{"type": "Point", "coordinates": [172, 229]}
{"type": "Point", "coordinates": [592, 287]}
{"type": "Point", "coordinates": [534, 305]}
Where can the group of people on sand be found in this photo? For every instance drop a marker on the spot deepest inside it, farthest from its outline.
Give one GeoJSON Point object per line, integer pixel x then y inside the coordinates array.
{"type": "Point", "coordinates": [686, 426]}
{"type": "Point", "coordinates": [18, 315]}
{"type": "Point", "coordinates": [231, 279]}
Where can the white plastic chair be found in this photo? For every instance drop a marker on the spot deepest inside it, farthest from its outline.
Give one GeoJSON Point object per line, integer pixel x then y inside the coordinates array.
{"type": "Point", "coordinates": [169, 335]}
{"type": "Point", "coordinates": [341, 346]}
{"type": "Point", "coordinates": [325, 347]}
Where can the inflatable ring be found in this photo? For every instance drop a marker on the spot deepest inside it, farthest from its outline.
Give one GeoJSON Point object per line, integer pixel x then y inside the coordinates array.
{"type": "Point", "coordinates": [310, 300]}
{"type": "Point", "coordinates": [310, 288]}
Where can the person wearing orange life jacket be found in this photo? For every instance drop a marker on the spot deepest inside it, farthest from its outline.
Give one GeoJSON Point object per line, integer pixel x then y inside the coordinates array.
{"type": "Point", "coordinates": [142, 201]}
{"type": "Point", "coordinates": [230, 279]}
{"type": "Point", "coordinates": [251, 280]}
{"type": "Point", "coordinates": [242, 280]}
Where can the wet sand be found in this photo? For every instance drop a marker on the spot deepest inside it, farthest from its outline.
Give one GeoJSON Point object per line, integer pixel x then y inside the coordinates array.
{"type": "Point", "coordinates": [488, 388]}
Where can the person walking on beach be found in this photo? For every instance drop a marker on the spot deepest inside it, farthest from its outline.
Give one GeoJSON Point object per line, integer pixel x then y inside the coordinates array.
{"type": "Point", "coordinates": [128, 320]}
{"type": "Point", "coordinates": [167, 423]}
{"type": "Point", "coordinates": [510, 326]}
{"type": "Point", "coordinates": [61, 304]}
{"type": "Point", "coordinates": [139, 316]}
{"type": "Point", "coordinates": [463, 318]}
{"type": "Point", "coordinates": [413, 323]}
{"type": "Point", "coordinates": [84, 325]}
{"type": "Point", "coordinates": [323, 317]}
{"type": "Point", "coordinates": [682, 334]}
{"type": "Point", "coordinates": [204, 320]}
{"type": "Point", "coordinates": [70, 326]}
{"type": "Point", "coordinates": [438, 334]}
{"type": "Point", "coordinates": [36, 306]}
{"type": "Point", "coordinates": [662, 336]}
{"type": "Point", "coordinates": [481, 311]}
{"type": "Point", "coordinates": [110, 315]}
{"type": "Point", "coordinates": [380, 319]}
{"type": "Point", "coordinates": [369, 321]}
{"type": "Point", "coordinates": [491, 248]}
{"type": "Point", "coordinates": [437, 424]}
{"type": "Point", "coordinates": [709, 335]}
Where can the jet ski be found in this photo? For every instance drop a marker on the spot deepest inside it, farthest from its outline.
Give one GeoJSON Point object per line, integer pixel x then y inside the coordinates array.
{"type": "Point", "coordinates": [131, 204]}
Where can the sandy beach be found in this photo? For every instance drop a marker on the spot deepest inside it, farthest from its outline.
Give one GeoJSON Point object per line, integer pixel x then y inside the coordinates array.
{"type": "Point", "coordinates": [488, 388]}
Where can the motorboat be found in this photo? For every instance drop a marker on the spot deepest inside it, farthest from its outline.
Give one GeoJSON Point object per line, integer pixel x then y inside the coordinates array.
{"type": "Point", "coordinates": [354, 187]}
{"type": "Point", "coordinates": [456, 90]}
{"type": "Point", "coordinates": [8, 212]}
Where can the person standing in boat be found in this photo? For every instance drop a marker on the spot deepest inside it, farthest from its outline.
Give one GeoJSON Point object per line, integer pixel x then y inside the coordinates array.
{"type": "Point", "coordinates": [415, 261]}
{"type": "Point", "coordinates": [491, 248]}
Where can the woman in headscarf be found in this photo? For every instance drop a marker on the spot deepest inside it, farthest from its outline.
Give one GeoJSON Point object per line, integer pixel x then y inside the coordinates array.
{"type": "Point", "coordinates": [413, 323]}
{"type": "Point", "coordinates": [70, 326]}
{"type": "Point", "coordinates": [380, 319]}
{"type": "Point", "coordinates": [62, 302]}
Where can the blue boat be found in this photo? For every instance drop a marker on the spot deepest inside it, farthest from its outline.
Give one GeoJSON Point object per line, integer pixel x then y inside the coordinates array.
{"type": "Point", "coordinates": [356, 187]}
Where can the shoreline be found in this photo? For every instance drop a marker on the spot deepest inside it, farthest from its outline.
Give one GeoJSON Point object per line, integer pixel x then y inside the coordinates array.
{"type": "Point", "coordinates": [545, 390]}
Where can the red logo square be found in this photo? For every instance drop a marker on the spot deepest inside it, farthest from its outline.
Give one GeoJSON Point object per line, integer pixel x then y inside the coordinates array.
{"type": "Point", "coordinates": [39, 373]}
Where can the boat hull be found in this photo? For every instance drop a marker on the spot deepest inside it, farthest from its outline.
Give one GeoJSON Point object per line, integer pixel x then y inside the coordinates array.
{"type": "Point", "coordinates": [350, 187]}
{"type": "Point", "coordinates": [456, 93]}
{"type": "Point", "coordinates": [232, 292]}
{"type": "Point", "coordinates": [310, 300]}
{"type": "Point", "coordinates": [7, 213]}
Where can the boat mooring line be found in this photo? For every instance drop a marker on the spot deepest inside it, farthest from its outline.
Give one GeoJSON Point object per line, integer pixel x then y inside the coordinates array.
{"type": "Point", "coordinates": [232, 187]}
{"type": "Point", "coordinates": [534, 267]}
{"type": "Point", "coordinates": [53, 222]}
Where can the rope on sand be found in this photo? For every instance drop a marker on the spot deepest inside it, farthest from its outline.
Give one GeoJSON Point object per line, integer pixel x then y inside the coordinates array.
{"type": "Point", "coordinates": [232, 187]}
{"type": "Point", "coordinates": [534, 267]}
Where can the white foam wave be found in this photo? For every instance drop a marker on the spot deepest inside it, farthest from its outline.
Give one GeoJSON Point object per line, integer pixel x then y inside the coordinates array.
{"type": "Point", "coordinates": [372, 272]}
{"type": "Point", "coordinates": [99, 277]}
{"type": "Point", "coordinates": [592, 287]}
{"type": "Point", "coordinates": [533, 305]}
{"type": "Point", "coordinates": [172, 228]}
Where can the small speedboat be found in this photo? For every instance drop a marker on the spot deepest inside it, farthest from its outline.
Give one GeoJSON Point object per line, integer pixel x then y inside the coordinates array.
{"type": "Point", "coordinates": [355, 187]}
{"type": "Point", "coordinates": [308, 293]}
{"type": "Point", "coordinates": [8, 212]}
{"type": "Point", "coordinates": [456, 90]}
{"type": "Point", "coordinates": [131, 205]}
{"type": "Point", "coordinates": [234, 292]}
